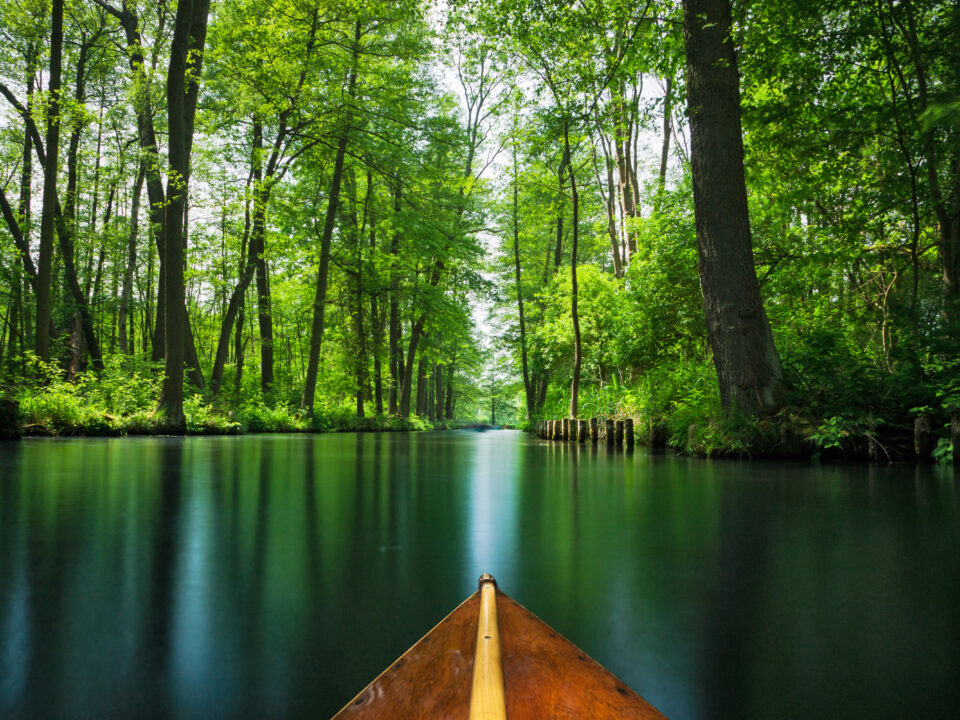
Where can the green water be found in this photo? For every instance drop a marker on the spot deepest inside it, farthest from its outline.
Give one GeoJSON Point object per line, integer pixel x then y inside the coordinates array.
{"type": "Point", "coordinates": [274, 576]}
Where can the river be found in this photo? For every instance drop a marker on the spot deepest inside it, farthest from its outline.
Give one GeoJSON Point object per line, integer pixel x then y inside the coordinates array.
{"type": "Point", "coordinates": [274, 576]}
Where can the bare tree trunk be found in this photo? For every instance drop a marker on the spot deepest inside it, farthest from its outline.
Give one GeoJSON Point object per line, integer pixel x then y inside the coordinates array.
{"type": "Point", "coordinates": [127, 291]}
{"type": "Point", "coordinates": [528, 390]}
{"type": "Point", "coordinates": [183, 78]}
{"type": "Point", "coordinates": [264, 311]}
{"type": "Point", "coordinates": [248, 266]}
{"type": "Point", "coordinates": [357, 231]}
{"type": "Point", "coordinates": [394, 324]}
{"type": "Point", "coordinates": [448, 412]}
{"type": "Point", "coordinates": [422, 390]}
{"type": "Point", "coordinates": [623, 136]}
{"type": "Point", "coordinates": [575, 315]}
{"type": "Point", "coordinates": [746, 359]}
{"type": "Point", "coordinates": [333, 202]}
{"type": "Point", "coordinates": [611, 203]}
{"type": "Point", "coordinates": [416, 333]}
{"type": "Point", "coordinates": [24, 213]}
{"type": "Point", "coordinates": [45, 262]}
{"type": "Point", "coordinates": [665, 148]}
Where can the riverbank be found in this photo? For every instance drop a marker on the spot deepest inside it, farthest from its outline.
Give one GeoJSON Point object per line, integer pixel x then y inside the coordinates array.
{"type": "Point", "coordinates": [210, 422]}
{"type": "Point", "coordinates": [788, 436]}
{"type": "Point", "coordinates": [55, 415]}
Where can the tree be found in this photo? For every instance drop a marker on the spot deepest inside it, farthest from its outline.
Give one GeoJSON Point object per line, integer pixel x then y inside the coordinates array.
{"type": "Point", "coordinates": [47, 219]}
{"type": "Point", "coordinates": [183, 86]}
{"type": "Point", "coordinates": [748, 365]}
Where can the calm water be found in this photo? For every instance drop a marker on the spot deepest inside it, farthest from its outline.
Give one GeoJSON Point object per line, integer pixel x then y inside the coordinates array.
{"type": "Point", "coordinates": [274, 576]}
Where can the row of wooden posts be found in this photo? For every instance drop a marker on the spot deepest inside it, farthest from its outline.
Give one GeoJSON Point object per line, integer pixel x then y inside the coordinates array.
{"type": "Point", "coordinates": [613, 432]}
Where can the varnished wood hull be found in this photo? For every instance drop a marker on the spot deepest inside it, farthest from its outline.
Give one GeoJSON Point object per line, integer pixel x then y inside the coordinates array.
{"type": "Point", "coordinates": [544, 674]}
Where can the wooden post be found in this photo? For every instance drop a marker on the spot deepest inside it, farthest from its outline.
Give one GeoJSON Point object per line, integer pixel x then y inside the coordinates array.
{"type": "Point", "coordinates": [582, 430]}
{"type": "Point", "coordinates": [557, 430]}
{"type": "Point", "coordinates": [565, 425]}
{"type": "Point", "coordinates": [619, 432]}
{"type": "Point", "coordinates": [594, 430]}
{"type": "Point", "coordinates": [658, 435]}
{"type": "Point", "coordinates": [628, 430]}
{"type": "Point", "coordinates": [922, 436]}
{"type": "Point", "coordinates": [609, 430]}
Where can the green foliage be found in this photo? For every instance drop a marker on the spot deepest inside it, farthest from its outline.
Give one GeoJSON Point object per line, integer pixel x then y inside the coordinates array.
{"type": "Point", "coordinates": [255, 415]}
{"type": "Point", "coordinates": [117, 400]}
{"type": "Point", "coordinates": [943, 452]}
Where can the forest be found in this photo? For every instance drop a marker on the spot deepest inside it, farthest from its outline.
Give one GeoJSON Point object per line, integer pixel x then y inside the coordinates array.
{"type": "Point", "coordinates": [737, 223]}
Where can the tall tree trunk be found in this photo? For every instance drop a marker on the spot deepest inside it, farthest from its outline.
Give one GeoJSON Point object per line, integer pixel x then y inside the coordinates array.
{"type": "Point", "coordinates": [421, 387]}
{"type": "Point", "coordinates": [623, 136]}
{"type": "Point", "coordinates": [376, 322]}
{"type": "Point", "coordinates": [252, 230]}
{"type": "Point", "coordinates": [394, 323]}
{"type": "Point", "coordinates": [183, 79]}
{"type": "Point", "coordinates": [238, 335]}
{"type": "Point", "coordinates": [528, 390]}
{"type": "Point", "coordinates": [746, 359]}
{"type": "Point", "coordinates": [448, 412]}
{"type": "Point", "coordinates": [574, 312]}
{"type": "Point", "coordinates": [406, 384]}
{"type": "Point", "coordinates": [357, 231]}
{"type": "Point", "coordinates": [610, 200]}
{"type": "Point", "coordinates": [376, 319]}
{"type": "Point", "coordinates": [438, 382]}
{"type": "Point", "coordinates": [45, 261]}
{"type": "Point", "coordinates": [146, 134]}
{"type": "Point", "coordinates": [333, 203]}
{"type": "Point", "coordinates": [24, 211]}
{"type": "Point", "coordinates": [264, 311]}
{"type": "Point", "coordinates": [665, 148]}
{"type": "Point", "coordinates": [159, 211]}
{"type": "Point", "coordinates": [126, 346]}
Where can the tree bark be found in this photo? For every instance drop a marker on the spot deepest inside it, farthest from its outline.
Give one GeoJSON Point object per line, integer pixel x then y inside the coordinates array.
{"type": "Point", "coordinates": [665, 147]}
{"type": "Point", "coordinates": [256, 230]}
{"type": "Point", "coordinates": [748, 365]}
{"type": "Point", "coordinates": [45, 260]}
{"type": "Point", "coordinates": [333, 203]}
{"type": "Point", "coordinates": [183, 78]}
{"type": "Point", "coordinates": [264, 307]}
{"type": "Point", "coordinates": [394, 323]}
{"type": "Point", "coordinates": [574, 313]}
{"type": "Point", "coordinates": [611, 203]}
{"type": "Point", "coordinates": [623, 136]}
{"type": "Point", "coordinates": [448, 411]}
{"type": "Point", "coordinates": [126, 345]}
{"type": "Point", "coordinates": [376, 324]}
{"type": "Point", "coordinates": [528, 390]}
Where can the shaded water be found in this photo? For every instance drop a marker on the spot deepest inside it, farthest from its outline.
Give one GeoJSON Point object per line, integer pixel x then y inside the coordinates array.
{"type": "Point", "coordinates": [274, 576]}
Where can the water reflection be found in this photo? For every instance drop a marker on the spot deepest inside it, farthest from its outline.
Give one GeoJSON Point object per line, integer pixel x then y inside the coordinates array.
{"type": "Point", "coordinates": [274, 576]}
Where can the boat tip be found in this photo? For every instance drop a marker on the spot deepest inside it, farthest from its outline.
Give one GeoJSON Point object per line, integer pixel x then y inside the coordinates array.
{"type": "Point", "coordinates": [485, 578]}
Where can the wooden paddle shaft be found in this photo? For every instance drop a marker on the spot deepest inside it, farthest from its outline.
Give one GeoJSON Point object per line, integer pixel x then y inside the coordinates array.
{"type": "Point", "coordinates": [487, 700]}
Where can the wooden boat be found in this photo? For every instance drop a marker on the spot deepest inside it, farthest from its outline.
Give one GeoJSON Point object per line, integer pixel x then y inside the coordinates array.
{"type": "Point", "coordinates": [489, 659]}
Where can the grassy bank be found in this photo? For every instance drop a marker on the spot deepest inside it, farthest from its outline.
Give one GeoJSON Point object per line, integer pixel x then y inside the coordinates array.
{"type": "Point", "coordinates": [122, 399]}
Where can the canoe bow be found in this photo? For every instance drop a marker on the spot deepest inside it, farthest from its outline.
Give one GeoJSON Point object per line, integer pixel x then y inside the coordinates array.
{"type": "Point", "coordinates": [489, 659]}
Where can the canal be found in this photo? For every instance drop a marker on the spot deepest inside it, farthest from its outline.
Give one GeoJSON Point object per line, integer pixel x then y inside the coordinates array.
{"type": "Point", "coordinates": [274, 576]}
